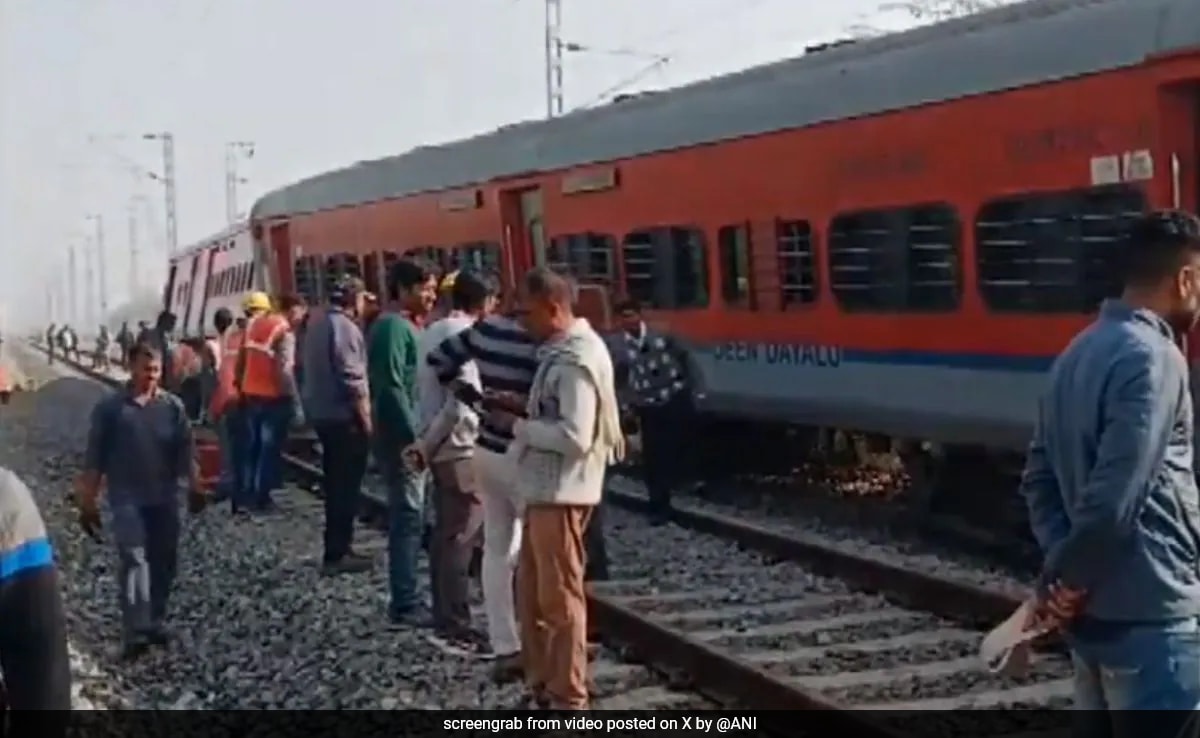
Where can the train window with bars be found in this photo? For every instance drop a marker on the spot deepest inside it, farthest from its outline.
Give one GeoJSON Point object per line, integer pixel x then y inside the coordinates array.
{"type": "Point", "coordinates": [480, 256]}
{"type": "Point", "coordinates": [666, 268]}
{"type": "Point", "coordinates": [308, 279]}
{"type": "Point", "coordinates": [737, 265]}
{"type": "Point", "coordinates": [797, 257]}
{"type": "Point", "coordinates": [586, 256]}
{"type": "Point", "coordinates": [896, 260]}
{"type": "Point", "coordinates": [1052, 252]}
{"type": "Point", "coordinates": [434, 256]}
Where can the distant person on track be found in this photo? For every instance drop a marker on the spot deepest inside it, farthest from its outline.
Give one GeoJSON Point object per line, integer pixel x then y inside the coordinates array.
{"type": "Point", "coordinates": [124, 343]}
{"type": "Point", "coordinates": [338, 403]}
{"type": "Point", "coordinates": [505, 355]}
{"type": "Point", "coordinates": [1111, 494]}
{"type": "Point", "coordinates": [393, 354]}
{"type": "Point", "coordinates": [563, 440]}
{"type": "Point", "coordinates": [223, 411]}
{"type": "Point", "coordinates": [140, 449]}
{"type": "Point", "coordinates": [103, 342]}
{"type": "Point", "coordinates": [35, 671]}
{"type": "Point", "coordinates": [266, 386]}
{"type": "Point", "coordinates": [161, 337]}
{"type": "Point", "coordinates": [660, 392]}
{"type": "Point", "coordinates": [449, 429]}
{"type": "Point", "coordinates": [51, 343]}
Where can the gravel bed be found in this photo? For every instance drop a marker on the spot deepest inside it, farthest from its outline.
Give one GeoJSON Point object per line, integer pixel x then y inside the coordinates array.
{"type": "Point", "coordinates": [864, 540]}
{"type": "Point", "coordinates": [256, 626]}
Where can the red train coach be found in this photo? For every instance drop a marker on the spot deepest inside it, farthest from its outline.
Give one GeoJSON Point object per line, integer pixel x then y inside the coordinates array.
{"type": "Point", "coordinates": [894, 236]}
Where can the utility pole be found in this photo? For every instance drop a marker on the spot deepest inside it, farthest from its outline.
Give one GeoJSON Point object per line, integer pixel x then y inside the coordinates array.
{"type": "Point", "coordinates": [72, 287]}
{"type": "Point", "coordinates": [89, 293]}
{"type": "Point", "coordinates": [554, 59]}
{"type": "Point", "coordinates": [232, 179]}
{"type": "Point", "coordinates": [134, 281]}
{"type": "Point", "coordinates": [101, 264]}
{"type": "Point", "coordinates": [168, 180]}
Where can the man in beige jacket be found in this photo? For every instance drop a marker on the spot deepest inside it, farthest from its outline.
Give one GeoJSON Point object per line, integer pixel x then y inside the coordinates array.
{"type": "Point", "coordinates": [569, 434]}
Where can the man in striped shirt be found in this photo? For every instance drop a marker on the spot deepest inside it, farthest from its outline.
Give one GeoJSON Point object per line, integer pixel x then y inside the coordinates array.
{"type": "Point", "coordinates": [506, 357]}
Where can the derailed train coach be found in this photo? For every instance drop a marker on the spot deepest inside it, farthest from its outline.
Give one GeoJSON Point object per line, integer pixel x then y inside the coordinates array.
{"type": "Point", "coordinates": [894, 236]}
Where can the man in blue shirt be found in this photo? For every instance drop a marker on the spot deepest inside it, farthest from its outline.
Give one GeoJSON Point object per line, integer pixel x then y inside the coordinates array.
{"type": "Point", "coordinates": [140, 444]}
{"type": "Point", "coordinates": [1111, 493]}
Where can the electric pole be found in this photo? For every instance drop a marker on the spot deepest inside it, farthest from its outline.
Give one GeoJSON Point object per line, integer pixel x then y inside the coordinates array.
{"type": "Point", "coordinates": [232, 179]}
{"type": "Point", "coordinates": [554, 59]}
{"type": "Point", "coordinates": [89, 291]}
{"type": "Point", "coordinates": [101, 265]}
{"type": "Point", "coordinates": [72, 287]}
{"type": "Point", "coordinates": [168, 180]}
{"type": "Point", "coordinates": [134, 285]}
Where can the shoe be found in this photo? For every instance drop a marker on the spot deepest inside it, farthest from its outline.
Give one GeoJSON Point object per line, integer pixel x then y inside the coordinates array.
{"type": "Point", "coordinates": [508, 668]}
{"type": "Point", "coordinates": [349, 564]}
{"type": "Point", "coordinates": [158, 637]}
{"type": "Point", "coordinates": [463, 641]}
{"type": "Point", "coordinates": [413, 617]}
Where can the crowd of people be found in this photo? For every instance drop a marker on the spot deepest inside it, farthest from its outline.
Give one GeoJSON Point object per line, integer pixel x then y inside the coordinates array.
{"type": "Point", "coordinates": [509, 421]}
{"type": "Point", "coordinates": [497, 427]}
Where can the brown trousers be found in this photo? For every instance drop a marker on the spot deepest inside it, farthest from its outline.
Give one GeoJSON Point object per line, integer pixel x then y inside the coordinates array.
{"type": "Point", "coordinates": [552, 608]}
{"type": "Point", "coordinates": [456, 506]}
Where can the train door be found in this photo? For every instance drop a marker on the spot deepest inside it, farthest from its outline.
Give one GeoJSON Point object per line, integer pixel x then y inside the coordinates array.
{"type": "Point", "coordinates": [206, 288]}
{"type": "Point", "coordinates": [278, 258]}
{"type": "Point", "coordinates": [524, 231]}
{"type": "Point", "coordinates": [191, 293]}
{"type": "Point", "coordinates": [169, 290]}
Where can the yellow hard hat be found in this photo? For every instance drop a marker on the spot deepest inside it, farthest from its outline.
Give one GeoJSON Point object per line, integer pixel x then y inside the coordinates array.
{"type": "Point", "coordinates": [448, 281]}
{"type": "Point", "coordinates": [257, 301]}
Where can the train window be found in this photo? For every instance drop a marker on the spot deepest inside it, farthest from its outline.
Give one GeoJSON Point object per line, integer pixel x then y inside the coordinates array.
{"type": "Point", "coordinates": [482, 256]}
{"type": "Point", "coordinates": [1051, 252]}
{"type": "Point", "coordinates": [797, 262]}
{"type": "Point", "coordinates": [666, 268]}
{"type": "Point", "coordinates": [434, 256]}
{"type": "Point", "coordinates": [733, 246]}
{"type": "Point", "coordinates": [307, 279]}
{"type": "Point", "coordinates": [586, 256]}
{"type": "Point", "coordinates": [899, 260]}
{"type": "Point", "coordinates": [248, 280]}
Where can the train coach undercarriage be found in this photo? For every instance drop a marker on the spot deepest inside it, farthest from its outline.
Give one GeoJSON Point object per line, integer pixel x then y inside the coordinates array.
{"type": "Point", "coordinates": [964, 495]}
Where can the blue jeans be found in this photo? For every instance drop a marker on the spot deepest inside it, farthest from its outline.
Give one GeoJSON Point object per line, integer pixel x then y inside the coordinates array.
{"type": "Point", "coordinates": [406, 518]}
{"type": "Point", "coordinates": [264, 423]}
{"type": "Point", "coordinates": [1136, 666]}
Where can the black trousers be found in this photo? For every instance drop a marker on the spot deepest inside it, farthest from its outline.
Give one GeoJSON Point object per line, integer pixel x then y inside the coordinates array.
{"type": "Point", "coordinates": [344, 451]}
{"type": "Point", "coordinates": [665, 440]}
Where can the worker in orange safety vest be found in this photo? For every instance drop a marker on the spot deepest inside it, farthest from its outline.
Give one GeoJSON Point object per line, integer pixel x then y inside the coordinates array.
{"type": "Point", "coordinates": [266, 386]}
{"type": "Point", "coordinates": [222, 401]}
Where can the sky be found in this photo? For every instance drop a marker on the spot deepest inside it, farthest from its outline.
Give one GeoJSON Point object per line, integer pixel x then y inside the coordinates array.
{"type": "Point", "coordinates": [315, 85]}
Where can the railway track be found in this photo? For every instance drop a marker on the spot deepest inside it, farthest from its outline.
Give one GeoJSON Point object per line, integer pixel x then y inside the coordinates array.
{"type": "Point", "coordinates": [735, 615]}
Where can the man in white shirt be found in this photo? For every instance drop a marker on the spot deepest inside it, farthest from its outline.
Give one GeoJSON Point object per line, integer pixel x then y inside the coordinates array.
{"type": "Point", "coordinates": [447, 431]}
{"type": "Point", "coordinates": [563, 439]}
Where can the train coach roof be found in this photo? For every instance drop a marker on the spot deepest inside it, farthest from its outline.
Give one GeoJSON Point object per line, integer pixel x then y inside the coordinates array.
{"type": "Point", "coordinates": [1023, 44]}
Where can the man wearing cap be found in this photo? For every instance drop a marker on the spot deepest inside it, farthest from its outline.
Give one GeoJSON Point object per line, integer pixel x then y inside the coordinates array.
{"type": "Point", "coordinates": [337, 402]}
{"type": "Point", "coordinates": [266, 385]}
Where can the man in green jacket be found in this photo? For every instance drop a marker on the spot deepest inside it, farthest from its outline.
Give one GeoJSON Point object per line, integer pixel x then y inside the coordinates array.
{"type": "Point", "coordinates": [392, 361]}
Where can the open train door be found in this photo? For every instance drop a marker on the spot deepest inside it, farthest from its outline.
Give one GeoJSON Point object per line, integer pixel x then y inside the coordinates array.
{"type": "Point", "coordinates": [273, 250]}
{"type": "Point", "coordinates": [524, 233]}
